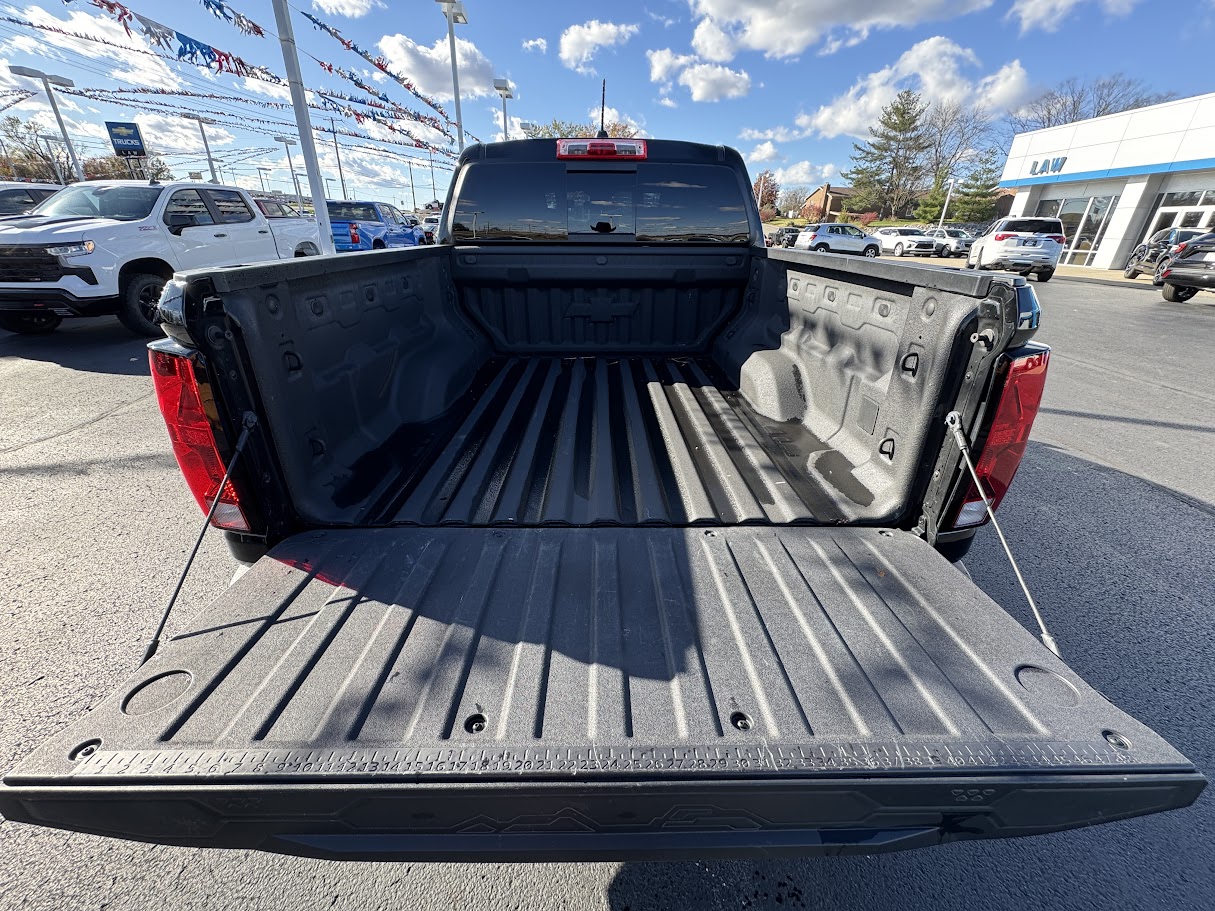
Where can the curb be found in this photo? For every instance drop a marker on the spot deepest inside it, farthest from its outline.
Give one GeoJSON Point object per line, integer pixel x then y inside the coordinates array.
{"type": "Point", "coordinates": [1113, 283]}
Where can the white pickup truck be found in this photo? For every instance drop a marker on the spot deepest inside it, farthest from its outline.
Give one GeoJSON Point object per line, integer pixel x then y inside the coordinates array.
{"type": "Point", "coordinates": [107, 247]}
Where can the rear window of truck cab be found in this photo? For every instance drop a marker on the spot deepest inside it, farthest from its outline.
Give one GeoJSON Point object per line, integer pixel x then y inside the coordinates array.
{"type": "Point", "coordinates": [646, 201]}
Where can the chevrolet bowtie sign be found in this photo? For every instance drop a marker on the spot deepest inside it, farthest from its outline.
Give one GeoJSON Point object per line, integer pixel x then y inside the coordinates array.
{"type": "Point", "coordinates": [126, 139]}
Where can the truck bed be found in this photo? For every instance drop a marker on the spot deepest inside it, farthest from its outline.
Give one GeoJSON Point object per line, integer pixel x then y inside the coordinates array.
{"type": "Point", "coordinates": [623, 441]}
{"type": "Point", "coordinates": [542, 693]}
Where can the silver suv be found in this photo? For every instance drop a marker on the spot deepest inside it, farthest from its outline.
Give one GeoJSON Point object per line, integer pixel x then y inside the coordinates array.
{"type": "Point", "coordinates": [837, 237]}
{"type": "Point", "coordinates": [951, 241]}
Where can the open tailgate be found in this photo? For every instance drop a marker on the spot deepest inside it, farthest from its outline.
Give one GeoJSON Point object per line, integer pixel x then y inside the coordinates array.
{"type": "Point", "coordinates": [598, 693]}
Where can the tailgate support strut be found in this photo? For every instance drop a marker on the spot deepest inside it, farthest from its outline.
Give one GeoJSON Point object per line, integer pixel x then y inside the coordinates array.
{"type": "Point", "coordinates": [953, 421]}
{"type": "Point", "coordinates": [250, 421]}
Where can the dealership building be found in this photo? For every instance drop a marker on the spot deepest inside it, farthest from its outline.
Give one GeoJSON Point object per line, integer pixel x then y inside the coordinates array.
{"type": "Point", "coordinates": [1115, 180]}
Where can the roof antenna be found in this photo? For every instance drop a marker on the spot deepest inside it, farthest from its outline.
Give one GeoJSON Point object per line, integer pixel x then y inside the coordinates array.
{"type": "Point", "coordinates": [602, 134]}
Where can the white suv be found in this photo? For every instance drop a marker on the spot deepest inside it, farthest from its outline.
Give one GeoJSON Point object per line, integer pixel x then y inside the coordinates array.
{"type": "Point", "coordinates": [1020, 244]}
{"type": "Point", "coordinates": [836, 237]}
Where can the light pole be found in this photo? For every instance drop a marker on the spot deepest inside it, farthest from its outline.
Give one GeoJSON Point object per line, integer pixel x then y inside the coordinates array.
{"type": "Point", "coordinates": [51, 154]}
{"type": "Point", "coordinates": [261, 174]}
{"type": "Point", "coordinates": [527, 126]}
{"type": "Point", "coordinates": [945, 208]}
{"type": "Point", "coordinates": [206, 145]}
{"type": "Point", "coordinates": [47, 81]}
{"type": "Point", "coordinates": [454, 13]}
{"type": "Point", "coordinates": [303, 125]}
{"type": "Point", "coordinates": [502, 87]}
{"type": "Point", "coordinates": [328, 189]}
{"type": "Point", "coordinates": [338, 153]}
{"type": "Point", "coordinates": [288, 142]}
{"type": "Point", "coordinates": [413, 197]}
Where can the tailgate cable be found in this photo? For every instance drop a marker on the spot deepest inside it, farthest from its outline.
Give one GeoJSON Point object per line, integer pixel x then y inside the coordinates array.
{"type": "Point", "coordinates": [248, 423]}
{"type": "Point", "coordinates": [953, 421]}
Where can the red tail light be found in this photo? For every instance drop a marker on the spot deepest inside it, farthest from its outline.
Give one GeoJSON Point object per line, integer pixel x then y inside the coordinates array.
{"type": "Point", "coordinates": [1008, 436]}
{"type": "Point", "coordinates": [354, 232]}
{"type": "Point", "coordinates": [193, 437]}
{"type": "Point", "coordinates": [1002, 236]}
{"type": "Point", "coordinates": [1059, 239]}
{"type": "Point", "coordinates": [811, 236]}
{"type": "Point", "coordinates": [1181, 246]}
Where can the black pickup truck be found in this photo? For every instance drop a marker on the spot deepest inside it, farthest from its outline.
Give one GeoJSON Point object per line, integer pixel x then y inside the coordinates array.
{"type": "Point", "coordinates": [597, 531]}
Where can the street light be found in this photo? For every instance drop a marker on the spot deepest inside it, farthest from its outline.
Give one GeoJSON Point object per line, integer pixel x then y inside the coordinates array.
{"type": "Point", "coordinates": [502, 87]}
{"type": "Point", "coordinates": [288, 142]}
{"type": "Point", "coordinates": [206, 146]}
{"type": "Point", "coordinates": [453, 12]}
{"type": "Point", "coordinates": [47, 81]}
{"type": "Point", "coordinates": [945, 207]}
{"type": "Point", "coordinates": [527, 126]}
{"type": "Point", "coordinates": [261, 174]}
{"type": "Point", "coordinates": [328, 189]}
{"type": "Point", "coordinates": [51, 154]}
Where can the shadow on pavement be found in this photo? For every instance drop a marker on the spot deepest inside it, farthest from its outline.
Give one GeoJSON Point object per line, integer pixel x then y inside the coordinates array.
{"type": "Point", "coordinates": [98, 345]}
{"type": "Point", "coordinates": [1123, 574]}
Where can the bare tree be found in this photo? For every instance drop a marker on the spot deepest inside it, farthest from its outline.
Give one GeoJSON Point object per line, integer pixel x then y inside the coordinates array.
{"type": "Point", "coordinates": [1078, 99]}
{"type": "Point", "coordinates": [569, 129]}
{"type": "Point", "coordinates": [955, 132]}
{"type": "Point", "coordinates": [791, 199]}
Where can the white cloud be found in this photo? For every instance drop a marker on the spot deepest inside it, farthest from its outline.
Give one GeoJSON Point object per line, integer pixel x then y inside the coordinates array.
{"type": "Point", "coordinates": [615, 115]}
{"type": "Point", "coordinates": [1048, 15]}
{"type": "Point", "coordinates": [665, 64]}
{"type": "Point", "coordinates": [516, 125]}
{"type": "Point", "coordinates": [536, 44]}
{"type": "Point", "coordinates": [788, 27]}
{"type": "Point", "coordinates": [665, 21]}
{"type": "Point", "coordinates": [353, 9]}
{"type": "Point", "coordinates": [176, 134]}
{"type": "Point", "coordinates": [713, 82]}
{"type": "Point", "coordinates": [765, 151]}
{"type": "Point", "coordinates": [933, 67]}
{"type": "Point", "coordinates": [580, 43]}
{"type": "Point", "coordinates": [712, 43]}
{"type": "Point", "coordinates": [667, 102]}
{"type": "Point", "coordinates": [430, 67]}
{"type": "Point", "coordinates": [780, 134]}
{"type": "Point", "coordinates": [270, 89]}
{"type": "Point", "coordinates": [135, 69]}
{"type": "Point", "coordinates": [804, 173]}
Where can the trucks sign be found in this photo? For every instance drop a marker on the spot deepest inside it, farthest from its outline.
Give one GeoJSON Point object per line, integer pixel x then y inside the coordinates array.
{"type": "Point", "coordinates": [126, 139]}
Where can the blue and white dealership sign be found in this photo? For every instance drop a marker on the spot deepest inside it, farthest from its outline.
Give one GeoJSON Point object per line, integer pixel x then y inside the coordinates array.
{"type": "Point", "coordinates": [125, 138]}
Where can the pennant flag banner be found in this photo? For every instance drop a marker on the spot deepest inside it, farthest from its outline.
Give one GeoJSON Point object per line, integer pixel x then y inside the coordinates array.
{"type": "Point", "coordinates": [244, 121]}
{"type": "Point", "coordinates": [189, 50]}
{"type": "Point", "coordinates": [243, 23]}
{"type": "Point", "coordinates": [378, 62]}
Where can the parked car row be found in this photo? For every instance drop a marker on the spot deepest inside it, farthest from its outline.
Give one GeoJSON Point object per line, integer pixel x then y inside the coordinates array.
{"type": "Point", "coordinates": [841, 237]}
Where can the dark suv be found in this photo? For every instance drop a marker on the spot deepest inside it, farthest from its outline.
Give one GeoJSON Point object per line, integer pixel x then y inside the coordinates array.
{"type": "Point", "coordinates": [784, 237]}
{"type": "Point", "coordinates": [1153, 254]}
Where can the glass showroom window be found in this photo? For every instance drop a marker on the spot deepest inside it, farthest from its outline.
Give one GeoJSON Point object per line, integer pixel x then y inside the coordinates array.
{"type": "Point", "coordinates": [1084, 220]}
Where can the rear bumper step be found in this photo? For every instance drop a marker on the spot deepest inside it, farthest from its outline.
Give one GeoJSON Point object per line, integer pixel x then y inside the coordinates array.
{"type": "Point", "coordinates": [583, 821]}
{"type": "Point", "coordinates": [544, 694]}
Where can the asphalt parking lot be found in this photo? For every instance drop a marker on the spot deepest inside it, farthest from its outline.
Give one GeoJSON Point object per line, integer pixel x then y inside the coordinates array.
{"type": "Point", "coordinates": [1113, 515]}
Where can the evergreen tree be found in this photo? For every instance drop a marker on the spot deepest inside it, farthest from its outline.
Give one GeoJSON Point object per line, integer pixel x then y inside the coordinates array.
{"type": "Point", "coordinates": [929, 209]}
{"type": "Point", "coordinates": [974, 200]}
{"type": "Point", "coordinates": [891, 168]}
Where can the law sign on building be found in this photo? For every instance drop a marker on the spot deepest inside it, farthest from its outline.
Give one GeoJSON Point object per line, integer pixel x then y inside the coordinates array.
{"type": "Point", "coordinates": [126, 139]}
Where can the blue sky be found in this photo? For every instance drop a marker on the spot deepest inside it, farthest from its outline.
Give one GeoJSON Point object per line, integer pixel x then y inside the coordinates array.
{"type": "Point", "coordinates": [788, 82]}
